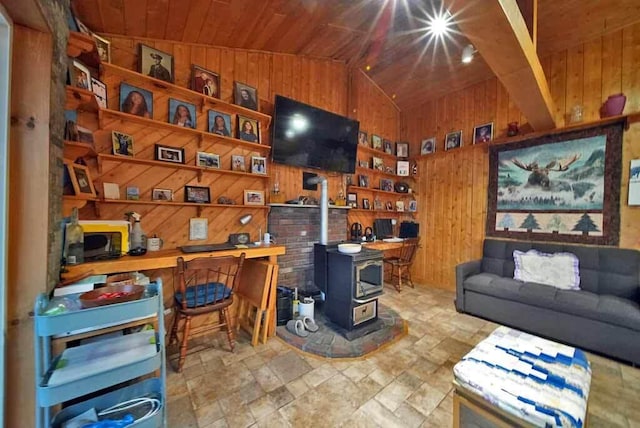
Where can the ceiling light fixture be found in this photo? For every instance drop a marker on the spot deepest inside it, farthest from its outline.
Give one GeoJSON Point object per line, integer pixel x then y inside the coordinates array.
{"type": "Point", "coordinates": [440, 24]}
{"type": "Point", "coordinates": [467, 54]}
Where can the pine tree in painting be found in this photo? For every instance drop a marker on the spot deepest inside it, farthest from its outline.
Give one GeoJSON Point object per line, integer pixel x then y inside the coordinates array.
{"type": "Point", "coordinates": [506, 222]}
{"type": "Point", "coordinates": [556, 225]}
{"type": "Point", "coordinates": [585, 225]}
{"type": "Point", "coordinates": [530, 223]}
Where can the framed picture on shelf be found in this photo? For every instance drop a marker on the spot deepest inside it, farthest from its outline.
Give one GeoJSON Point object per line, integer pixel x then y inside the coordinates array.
{"type": "Point", "coordinates": [428, 145]}
{"type": "Point", "coordinates": [219, 123]}
{"type": "Point", "coordinates": [248, 129]}
{"type": "Point", "coordinates": [365, 204]}
{"type": "Point", "coordinates": [349, 180]}
{"type": "Point", "coordinates": [155, 63]}
{"type": "Point", "coordinates": [169, 154]}
{"type": "Point", "coordinates": [387, 146]}
{"type": "Point", "coordinates": [245, 95]}
{"type": "Point", "coordinates": [453, 140]}
{"type": "Point", "coordinates": [207, 160]}
{"type": "Point", "coordinates": [377, 204]}
{"type": "Point", "coordinates": [237, 163]}
{"type": "Point", "coordinates": [376, 142]}
{"type": "Point", "coordinates": [363, 164]}
{"type": "Point", "coordinates": [197, 194]}
{"type": "Point", "coordinates": [205, 82]}
{"type": "Point", "coordinates": [363, 139]}
{"type": "Point", "coordinates": [162, 195]}
{"type": "Point", "coordinates": [402, 168]}
{"type": "Point", "coordinates": [377, 163]}
{"type": "Point", "coordinates": [402, 150]}
{"type": "Point", "coordinates": [413, 205]}
{"type": "Point", "coordinates": [70, 125]}
{"type": "Point", "coordinates": [134, 100]}
{"type": "Point", "coordinates": [352, 200]}
{"type": "Point", "coordinates": [103, 47]}
{"type": "Point", "coordinates": [400, 206]}
{"type": "Point", "coordinates": [182, 113]}
{"type": "Point", "coordinates": [85, 135]}
{"type": "Point", "coordinates": [258, 165]}
{"type": "Point", "coordinates": [80, 180]}
{"type": "Point", "coordinates": [133, 193]}
{"type": "Point", "coordinates": [389, 206]}
{"type": "Point", "coordinates": [122, 143]}
{"type": "Point", "coordinates": [363, 181]}
{"type": "Point", "coordinates": [79, 75]}
{"type": "Point", "coordinates": [386, 185]}
{"type": "Point", "coordinates": [389, 170]}
{"type": "Point", "coordinates": [99, 90]}
{"type": "Point", "coordinates": [483, 133]}
{"type": "Point", "coordinates": [254, 197]}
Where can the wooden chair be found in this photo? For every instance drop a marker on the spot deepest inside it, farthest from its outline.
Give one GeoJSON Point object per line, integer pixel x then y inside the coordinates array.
{"type": "Point", "coordinates": [401, 264]}
{"type": "Point", "coordinates": [205, 285]}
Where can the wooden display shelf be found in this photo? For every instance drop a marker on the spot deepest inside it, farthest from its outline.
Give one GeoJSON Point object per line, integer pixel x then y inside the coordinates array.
{"type": "Point", "coordinates": [80, 99]}
{"type": "Point", "coordinates": [79, 43]}
{"type": "Point", "coordinates": [369, 189]}
{"type": "Point", "coordinates": [363, 171]}
{"type": "Point", "coordinates": [138, 79]}
{"type": "Point", "coordinates": [69, 202]}
{"type": "Point", "coordinates": [380, 212]}
{"type": "Point", "coordinates": [77, 149]}
{"type": "Point", "coordinates": [199, 207]}
{"type": "Point", "coordinates": [379, 153]}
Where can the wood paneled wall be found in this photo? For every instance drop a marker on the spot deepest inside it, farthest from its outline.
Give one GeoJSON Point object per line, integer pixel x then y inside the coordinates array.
{"type": "Point", "coordinates": [453, 194]}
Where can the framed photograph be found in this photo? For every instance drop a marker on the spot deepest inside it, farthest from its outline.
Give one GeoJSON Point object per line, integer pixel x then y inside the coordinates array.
{"type": "Point", "coordinates": [402, 150]}
{"type": "Point", "coordinates": [399, 206]}
{"type": "Point", "coordinates": [79, 75]}
{"type": "Point", "coordinates": [403, 168]}
{"type": "Point", "coordinates": [376, 142]}
{"type": "Point", "coordinates": [248, 129]}
{"type": "Point", "coordinates": [386, 185]}
{"type": "Point", "coordinates": [198, 228]}
{"type": "Point", "coordinates": [85, 135]}
{"type": "Point", "coordinates": [377, 204]}
{"type": "Point", "coordinates": [103, 47]}
{"type": "Point", "coordinates": [254, 197]}
{"type": "Point", "coordinates": [70, 125]}
{"type": "Point", "coordinates": [205, 82]}
{"type": "Point", "coordinates": [363, 164]}
{"type": "Point", "coordinates": [453, 140]}
{"type": "Point", "coordinates": [81, 180]}
{"type": "Point", "coordinates": [389, 170]}
{"type": "Point", "coordinates": [81, 27]}
{"type": "Point", "coordinates": [169, 154]}
{"type": "Point", "coordinates": [483, 133]}
{"type": "Point", "coordinates": [365, 204]}
{"type": "Point", "coordinates": [349, 180]}
{"type": "Point", "coordinates": [352, 200]}
{"type": "Point", "coordinates": [162, 194]}
{"type": "Point", "coordinates": [237, 163]}
{"type": "Point", "coordinates": [219, 123]}
{"type": "Point", "coordinates": [413, 205]}
{"type": "Point", "coordinates": [389, 206]}
{"type": "Point", "coordinates": [387, 146]}
{"type": "Point", "coordinates": [136, 101]}
{"type": "Point", "coordinates": [207, 160]}
{"type": "Point", "coordinates": [111, 190]}
{"type": "Point", "coordinates": [133, 193]}
{"type": "Point", "coordinates": [363, 181]}
{"type": "Point", "coordinates": [155, 63]}
{"type": "Point", "coordinates": [197, 194]}
{"type": "Point", "coordinates": [122, 143]}
{"type": "Point", "coordinates": [182, 113]}
{"type": "Point", "coordinates": [428, 145]}
{"type": "Point", "coordinates": [377, 163]}
{"type": "Point", "coordinates": [245, 95]}
{"type": "Point", "coordinates": [99, 89]}
{"type": "Point", "coordinates": [258, 165]}
{"type": "Point", "coordinates": [363, 139]}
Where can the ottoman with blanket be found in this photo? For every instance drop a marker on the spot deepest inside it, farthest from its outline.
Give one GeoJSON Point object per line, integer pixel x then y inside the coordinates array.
{"type": "Point", "coordinates": [586, 296]}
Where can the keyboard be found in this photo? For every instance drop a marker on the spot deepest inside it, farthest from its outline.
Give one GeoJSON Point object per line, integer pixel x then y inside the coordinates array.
{"type": "Point", "coordinates": [205, 248]}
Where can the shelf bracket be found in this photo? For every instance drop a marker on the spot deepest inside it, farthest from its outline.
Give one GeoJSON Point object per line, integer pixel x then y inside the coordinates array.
{"type": "Point", "coordinates": [199, 210]}
{"type": "Point", "coordinates": [199, 175]}
{"type": "Point", "coordinates": [96, 208]}
{"type": "Point", "coordinates": [99, 165]}
{"type": "Point", "coordinates": [200, 140]}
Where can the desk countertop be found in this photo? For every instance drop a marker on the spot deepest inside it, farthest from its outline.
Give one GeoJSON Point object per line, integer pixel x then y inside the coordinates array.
{"type": "Point", "coordinates": [163, 259]}
{"type": "Point", "coordinates": [382, 245]}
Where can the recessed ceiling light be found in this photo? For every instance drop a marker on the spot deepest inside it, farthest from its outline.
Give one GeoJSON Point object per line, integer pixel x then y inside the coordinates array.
{"type": "Point", "coordinates": [439, 24]}
{"type": "Point", "coordinates": [367, 68]}
{"type": "Point", "coordinates": [467, 54]}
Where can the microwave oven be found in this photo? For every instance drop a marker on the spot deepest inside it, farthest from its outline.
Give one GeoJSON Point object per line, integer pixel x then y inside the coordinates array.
{"type": "Point", "coordinates": [105, 239]}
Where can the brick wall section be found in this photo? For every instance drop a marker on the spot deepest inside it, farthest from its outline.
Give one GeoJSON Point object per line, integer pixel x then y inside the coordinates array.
{"type": "Point", "coordinates": [298, 228]}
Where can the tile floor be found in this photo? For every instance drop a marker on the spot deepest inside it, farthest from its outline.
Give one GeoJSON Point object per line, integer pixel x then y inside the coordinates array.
{"type": "Point", "coordinates": [405, 385]}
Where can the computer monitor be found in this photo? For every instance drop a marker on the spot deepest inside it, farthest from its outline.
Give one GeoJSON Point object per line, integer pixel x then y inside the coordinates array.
{"type": "Point", "coordinates": [409, 229]}
{"type": "Point", "coordinates": [383, 228]}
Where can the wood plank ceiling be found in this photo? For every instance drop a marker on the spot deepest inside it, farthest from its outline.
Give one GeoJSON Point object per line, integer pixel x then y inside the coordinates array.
{"type": "Point", "coordinates": [387, 35]}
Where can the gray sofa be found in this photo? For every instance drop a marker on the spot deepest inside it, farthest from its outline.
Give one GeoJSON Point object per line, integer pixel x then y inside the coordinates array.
{"type": "Point", "coordinates": [603, 316]}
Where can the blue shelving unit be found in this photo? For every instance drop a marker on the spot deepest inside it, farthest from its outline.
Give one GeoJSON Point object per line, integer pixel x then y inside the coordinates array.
{"type": "Point", "coordinates": [68, 376]}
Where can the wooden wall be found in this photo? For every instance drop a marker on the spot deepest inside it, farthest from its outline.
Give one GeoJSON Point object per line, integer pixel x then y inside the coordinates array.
{"type": "Point", "coordinates": [453, 206]}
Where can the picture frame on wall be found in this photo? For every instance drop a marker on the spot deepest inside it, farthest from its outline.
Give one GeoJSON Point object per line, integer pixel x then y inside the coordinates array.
{"type": "Point", "coordinates": [136, 101]}
{"type": "Point", "coordinates": [122, 144]}
{"type": "Point", "coordinates": [155, 63]}
{"type": "Point", "coordinates": [402, 149]}
{"type": "Point", "coordinates": [389, 206]}
{"type": "Point", "coordinates": [483, 133]}
{"type": "Point", "coordinates": [387, 146]}
{"type": "Point", "coordinates": [402, 168]}
{"type": "Point", "coordinates": [453, 140]}
{"type": "Point", "coordinates": [103, 47]}
{"type": "Point", "coordinates": [352, 200]}
{"type": "Point", "coordinates": [182, 113]}
{"type": "Point", "coordinates": [378, 163]}
{"type": "Point", "coordinates": [400, 206]}
{"type": "Point", "coordinates": [413, 205]}
{"type": "Point", "coordinates": [366, 204]}
{"type": "Point", "coordinates": [245, 96]}
{"type": "Point", "coordinates": [80, 180]}
{"type": "Point", "coordinates": [207, 160]}
{"type": "Point", "coordinates": [258, 165]}
{"type": "Point", "coordinates": [363, 139]}
{"type": "Point", "coordinates": [376, 142]}
{"type": "Point", "coordinates": [220, 123]}
{"type": "Point", "coordinates": [205, 81]}
{"type": "Point", "coordinates": [248, 129]}
{"type": "Point", "coordinates": [237, 163]}
{"type": "Point", "coordinates": [99, 90]}
{"type": "Point", "coordinates": [254, 197]}
{"type": "Point", "coordinates": [363, 181]}
{"type": "Point", "coordinates": [377, 204]}
{"type": "Point", "coordinates": [427, 146]}
{"type": "Point", "coordinates": [169, 154]}
{"type": "Point", "coordinates": [386, 185]}
{"type": "Point", "coordinates": [158, 194]}
{"type": "Point", "coordinates": [79, 75]}
{"type": "Point", "coordinates": [197, 194]}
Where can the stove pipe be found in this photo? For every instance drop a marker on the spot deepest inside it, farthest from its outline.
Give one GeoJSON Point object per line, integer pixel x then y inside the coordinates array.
{"type": "Point", "coordinates": [324, 207]}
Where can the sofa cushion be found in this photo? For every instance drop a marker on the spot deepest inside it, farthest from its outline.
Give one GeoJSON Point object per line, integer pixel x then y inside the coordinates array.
{"type": "Point", "coordinates": [558, 270]}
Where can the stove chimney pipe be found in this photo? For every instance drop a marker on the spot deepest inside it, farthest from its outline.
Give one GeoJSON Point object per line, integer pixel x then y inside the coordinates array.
{"type": "Point", "coordinates": [324, 207]}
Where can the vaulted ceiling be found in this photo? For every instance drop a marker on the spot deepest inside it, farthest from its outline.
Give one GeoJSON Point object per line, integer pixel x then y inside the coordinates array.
{"type": "Point", "coordinates": [387, 35]}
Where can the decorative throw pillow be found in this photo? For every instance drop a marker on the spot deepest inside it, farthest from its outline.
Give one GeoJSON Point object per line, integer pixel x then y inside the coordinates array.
{"type": "Point", "coordinates": [560, 270]}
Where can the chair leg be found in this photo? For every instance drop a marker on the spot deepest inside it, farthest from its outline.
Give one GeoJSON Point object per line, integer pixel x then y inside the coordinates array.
{"type": "Point", "coordinates": [230, 334]}
{"type": "Point", "coordinates": [409, 280]}
{"type": "Point", "coordinates": [183, 346]}
{"type": "Point", "coordinates": [173, 337]}
{"type": "Point", "coordinates": [399, 285]}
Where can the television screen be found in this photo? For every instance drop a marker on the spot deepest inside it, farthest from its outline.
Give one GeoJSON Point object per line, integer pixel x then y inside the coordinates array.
{"type": "Point", "coordinates": [310, 137]}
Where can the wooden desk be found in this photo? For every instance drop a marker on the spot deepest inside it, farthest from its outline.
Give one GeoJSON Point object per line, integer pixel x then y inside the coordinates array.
{"type": "Point", "coordinates": [382, 246]}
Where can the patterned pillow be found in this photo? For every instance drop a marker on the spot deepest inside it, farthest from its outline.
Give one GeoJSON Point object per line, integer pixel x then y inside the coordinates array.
{"type": "Point", "coordinates": [559, 270]}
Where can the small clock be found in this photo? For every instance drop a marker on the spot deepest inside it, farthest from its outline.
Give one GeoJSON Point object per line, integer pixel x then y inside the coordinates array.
{"type": "Point", "coordinates": [239, 238]}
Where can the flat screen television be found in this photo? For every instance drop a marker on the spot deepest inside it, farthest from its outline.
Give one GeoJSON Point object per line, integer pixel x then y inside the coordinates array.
{"type": "Point", "coordinates": [310, 137]}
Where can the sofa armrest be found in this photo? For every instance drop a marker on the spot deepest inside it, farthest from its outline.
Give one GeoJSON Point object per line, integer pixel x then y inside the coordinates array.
{"type": "Point", "coordinates": [463, 271]}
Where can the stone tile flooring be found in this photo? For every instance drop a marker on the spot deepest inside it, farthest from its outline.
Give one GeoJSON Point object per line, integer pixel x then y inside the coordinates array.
{"type": "Point", "coordinates": [405, 385]}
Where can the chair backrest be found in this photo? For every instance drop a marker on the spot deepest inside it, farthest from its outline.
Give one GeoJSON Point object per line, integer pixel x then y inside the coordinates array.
{"type": "Point", "coordinates": [409, 248]}
{"type": "Point", "coordinates": [207, 281]}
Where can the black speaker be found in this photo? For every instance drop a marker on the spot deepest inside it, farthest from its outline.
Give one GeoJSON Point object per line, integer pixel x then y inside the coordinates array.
{"type": "Point", "coordinates": [409, 229]}
{"type": "Point", "coordinates": [283, 305]}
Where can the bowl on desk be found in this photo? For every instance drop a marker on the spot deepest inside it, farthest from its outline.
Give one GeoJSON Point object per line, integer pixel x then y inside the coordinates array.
{"type": "Point", "coordinates": [111, 294]}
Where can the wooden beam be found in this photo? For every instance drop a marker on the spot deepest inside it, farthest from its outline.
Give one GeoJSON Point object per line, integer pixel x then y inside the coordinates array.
{"type": "Point", "coordinates": [27, 13]}
{"type": "Point", "coordinates": [499, 33]}
{"type": "Point", "coordinates": [529, 11]}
